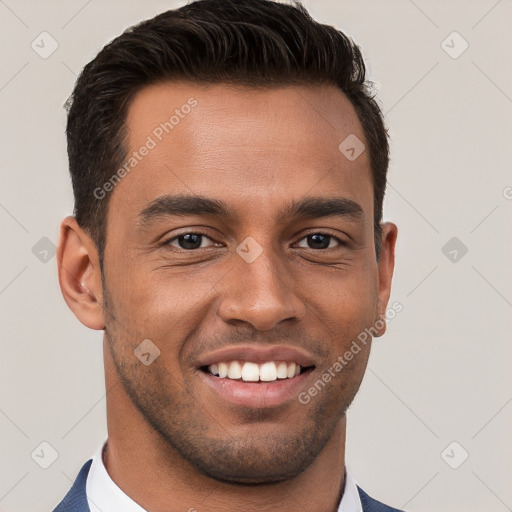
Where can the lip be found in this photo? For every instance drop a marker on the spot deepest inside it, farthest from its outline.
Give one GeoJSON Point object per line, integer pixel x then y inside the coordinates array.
{"type": "Point", "coordinates": [258, 354]}
{"type": "Point", "coordinates": [256, 394]}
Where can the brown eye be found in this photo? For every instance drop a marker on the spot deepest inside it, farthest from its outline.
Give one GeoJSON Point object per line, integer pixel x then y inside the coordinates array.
{"type": "Point", "coordinates": [320, 241]}
{"type": "Point", "coordinates": [188, 241]}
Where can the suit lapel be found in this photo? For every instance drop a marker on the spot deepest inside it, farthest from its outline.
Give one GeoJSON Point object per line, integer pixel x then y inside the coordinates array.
{"type": "Point", "coordinates": [76, 498]}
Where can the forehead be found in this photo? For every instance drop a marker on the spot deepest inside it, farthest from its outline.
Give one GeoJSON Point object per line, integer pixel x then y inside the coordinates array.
{"type": "Point", "coordinates": [242, 145]}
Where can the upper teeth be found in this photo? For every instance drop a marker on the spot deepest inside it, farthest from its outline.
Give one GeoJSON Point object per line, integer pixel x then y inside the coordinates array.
{"type": "Point", "coordinates": [253, 372]}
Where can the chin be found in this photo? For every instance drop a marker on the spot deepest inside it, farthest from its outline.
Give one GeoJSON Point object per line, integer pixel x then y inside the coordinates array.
{"type": "Point", "coordinates": [252, 459]}
{"type": "Point", "coordinates": [262, 474]}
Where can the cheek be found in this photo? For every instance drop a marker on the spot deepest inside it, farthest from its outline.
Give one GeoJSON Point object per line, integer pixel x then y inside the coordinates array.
{"type": "Point", "coordinates": [141, 291]}
{"type": "Point", "coordinates": [342, 315]}
{"type": "Point", "coordinates": [160, 306]}
{"type": "Point", "coordinates": [347, 298]}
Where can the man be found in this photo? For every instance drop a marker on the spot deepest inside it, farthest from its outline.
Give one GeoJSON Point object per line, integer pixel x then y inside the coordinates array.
{"type": "Point", "coordinates": [229, 166]}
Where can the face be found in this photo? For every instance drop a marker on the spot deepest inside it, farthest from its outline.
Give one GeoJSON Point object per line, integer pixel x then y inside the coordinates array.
{"type": "Point", "coordinates": [242, 242]}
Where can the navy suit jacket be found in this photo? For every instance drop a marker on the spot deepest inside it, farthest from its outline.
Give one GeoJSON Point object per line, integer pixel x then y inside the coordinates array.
{"type": "Point", "coordinates": [76, 499]}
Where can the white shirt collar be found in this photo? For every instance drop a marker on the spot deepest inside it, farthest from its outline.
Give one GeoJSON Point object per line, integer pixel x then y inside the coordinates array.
{"type": "Point", "coordinates": [350, 501]}
{"type": "Point", "coordinates": [103, 495]}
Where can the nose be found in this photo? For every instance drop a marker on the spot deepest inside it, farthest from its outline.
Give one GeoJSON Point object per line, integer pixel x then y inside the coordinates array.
{"type": "Point", "coordinates": [260, 293]}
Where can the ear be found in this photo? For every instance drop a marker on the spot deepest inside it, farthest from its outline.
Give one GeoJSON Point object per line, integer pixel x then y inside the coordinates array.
{"type": "Point", "coordinates": [79, 274]}
{"type": "Point", "coordinates": [385, 267]}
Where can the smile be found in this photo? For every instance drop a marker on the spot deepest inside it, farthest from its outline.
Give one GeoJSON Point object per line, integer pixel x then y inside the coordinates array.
{"type": "Point", "coordinates": [249, 371]}
{"type": "Point", "coordinates": [255, 375]}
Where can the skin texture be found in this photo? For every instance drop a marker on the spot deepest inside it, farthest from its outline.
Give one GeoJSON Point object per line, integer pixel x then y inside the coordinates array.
{"type": "Point", "coordinates": [173, 442]}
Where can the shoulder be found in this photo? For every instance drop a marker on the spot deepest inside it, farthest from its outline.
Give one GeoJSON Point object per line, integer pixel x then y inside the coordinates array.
{"type": "Point", "coordinates": [371, 505]}
{"type": "Point", "coordinates": [76, 498]}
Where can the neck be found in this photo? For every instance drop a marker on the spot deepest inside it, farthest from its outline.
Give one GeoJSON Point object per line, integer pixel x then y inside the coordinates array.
{"type": "Point", "coordinates": [156, 477]}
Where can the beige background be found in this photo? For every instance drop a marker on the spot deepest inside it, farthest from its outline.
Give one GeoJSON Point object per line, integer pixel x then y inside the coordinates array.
{"type": "Point", "coordinates": [441, 374]}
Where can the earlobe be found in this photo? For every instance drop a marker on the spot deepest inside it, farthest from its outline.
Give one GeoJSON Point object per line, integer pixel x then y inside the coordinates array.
{"type": "Point", "coordinates": [79, 274]}
{"type": "Point", "coordinates": [385, 268]}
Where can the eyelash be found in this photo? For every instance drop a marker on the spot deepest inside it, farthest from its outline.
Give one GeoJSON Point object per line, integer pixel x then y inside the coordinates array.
{"type": "Point", "coordinates": [200, 233]}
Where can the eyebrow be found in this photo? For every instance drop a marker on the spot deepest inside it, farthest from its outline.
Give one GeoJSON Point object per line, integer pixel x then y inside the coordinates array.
{"type": "Point", "coordinates": [306, 208]}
